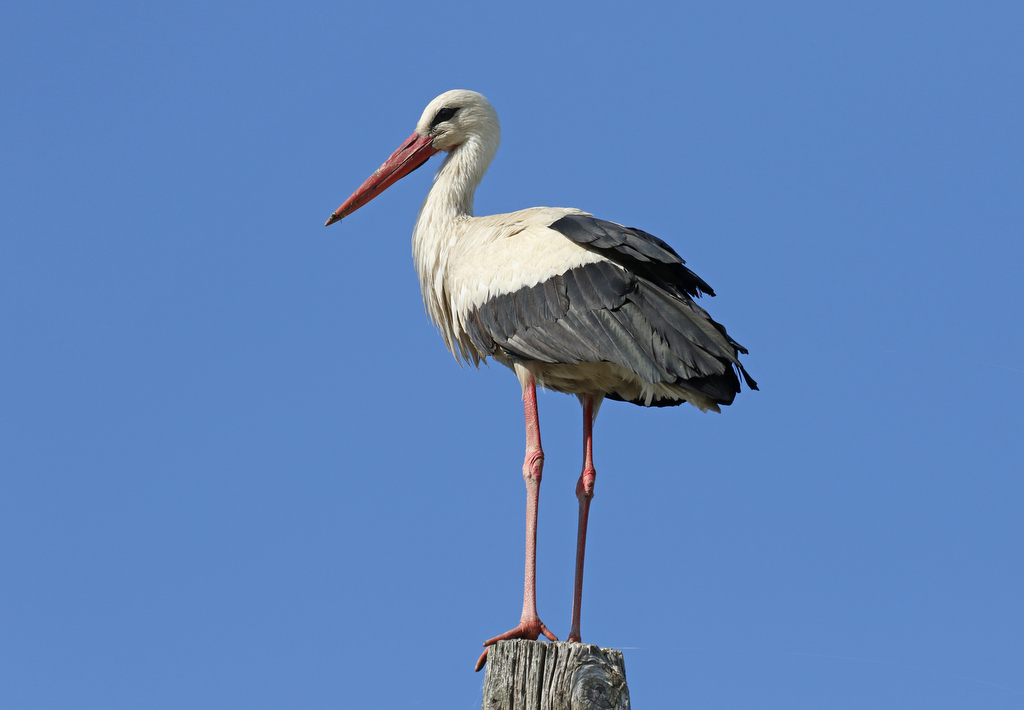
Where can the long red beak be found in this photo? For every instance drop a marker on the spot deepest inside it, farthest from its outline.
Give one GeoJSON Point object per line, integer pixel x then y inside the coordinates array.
{"type": "Point", "coordinates": [413, 153]}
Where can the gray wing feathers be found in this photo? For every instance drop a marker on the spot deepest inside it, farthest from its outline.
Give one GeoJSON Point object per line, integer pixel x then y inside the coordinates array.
{"type": "Point", "coordinates": [604, 235]}
{"type": "Point", "coordinates": [635, 250]}
{"type": "Point", "coordinates": [602, 313]}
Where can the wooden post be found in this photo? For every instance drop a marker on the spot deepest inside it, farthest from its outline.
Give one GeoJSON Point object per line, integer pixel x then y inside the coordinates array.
{"type": "Point", "coordinates": [533, 675]}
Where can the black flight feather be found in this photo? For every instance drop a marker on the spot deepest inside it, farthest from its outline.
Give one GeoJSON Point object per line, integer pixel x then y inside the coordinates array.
{"type": "Point", "coordinates": [602, 313]}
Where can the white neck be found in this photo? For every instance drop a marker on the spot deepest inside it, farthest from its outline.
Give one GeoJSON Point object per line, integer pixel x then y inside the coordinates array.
{"type": "Point", "coordinates": [451, 195]}
{"type": "Point", "coordinates": [448, 206]}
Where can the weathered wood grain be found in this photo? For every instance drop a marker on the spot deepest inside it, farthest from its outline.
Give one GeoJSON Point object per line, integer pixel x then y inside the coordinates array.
{"type": "Point", "coordinates": [533, 675]}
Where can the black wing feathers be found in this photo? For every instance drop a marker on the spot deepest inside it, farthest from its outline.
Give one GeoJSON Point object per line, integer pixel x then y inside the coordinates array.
{"type": "Point", "coordinates": [604, 235]}
{"type": "Point", "coordinates": [600, 313]}
{"type": "Point", "coordinates": [642, 253]}
{"type": "Point", "coordinates": [641, 316]}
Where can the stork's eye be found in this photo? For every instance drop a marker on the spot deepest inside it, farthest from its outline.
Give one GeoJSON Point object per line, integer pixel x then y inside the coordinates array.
{"type": "Point", "coordinates": [443, 115]}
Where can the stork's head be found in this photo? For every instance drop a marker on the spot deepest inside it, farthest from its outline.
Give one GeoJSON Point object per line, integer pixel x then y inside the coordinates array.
{"type": "Point", "coordinates": [458, 116]}
{"type": "Point", "coordinates": [454, 119]}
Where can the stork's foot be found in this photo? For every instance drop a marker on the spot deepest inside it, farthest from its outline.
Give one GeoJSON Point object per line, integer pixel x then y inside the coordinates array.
{"type": "Point", "coordinates": [527, 629]}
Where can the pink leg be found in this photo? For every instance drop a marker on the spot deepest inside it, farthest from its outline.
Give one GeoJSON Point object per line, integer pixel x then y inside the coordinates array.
{"type": "Point", "coordinates": [584, 492]}
{"type": "Point", "coordinates": [530, 626]}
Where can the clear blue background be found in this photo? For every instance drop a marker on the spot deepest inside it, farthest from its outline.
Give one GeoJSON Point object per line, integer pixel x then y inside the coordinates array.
{"type": "Point", "coordinates": [239, 470]}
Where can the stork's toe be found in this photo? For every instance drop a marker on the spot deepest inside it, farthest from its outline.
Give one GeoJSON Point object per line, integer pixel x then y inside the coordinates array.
{"type": "Point", "coordinates": [528, 629]}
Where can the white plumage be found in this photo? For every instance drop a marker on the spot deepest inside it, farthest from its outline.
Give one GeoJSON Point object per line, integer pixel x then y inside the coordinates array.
{"type": "Point", "coordinates": [570, 302]}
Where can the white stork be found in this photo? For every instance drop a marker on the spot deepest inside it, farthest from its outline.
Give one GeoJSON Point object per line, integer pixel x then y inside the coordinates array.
{"type": "Point", "coordinates": [568, 302]}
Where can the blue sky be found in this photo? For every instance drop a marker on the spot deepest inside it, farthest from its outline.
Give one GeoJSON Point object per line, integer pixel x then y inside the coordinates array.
{"type": "Point", "coordinates": [239, 469]}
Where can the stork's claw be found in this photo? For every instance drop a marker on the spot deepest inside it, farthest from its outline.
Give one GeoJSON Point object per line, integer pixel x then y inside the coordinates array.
{"type": "Point", "coordinates": [528, 630]}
